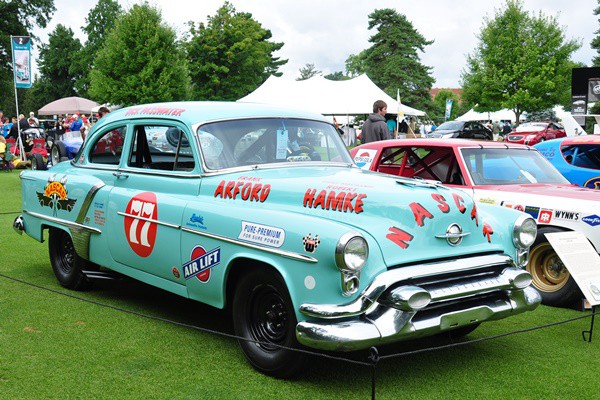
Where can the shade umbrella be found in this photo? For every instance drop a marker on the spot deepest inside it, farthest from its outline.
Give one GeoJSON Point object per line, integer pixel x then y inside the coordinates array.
{"type": "Point", "coordinates": [68, 105]}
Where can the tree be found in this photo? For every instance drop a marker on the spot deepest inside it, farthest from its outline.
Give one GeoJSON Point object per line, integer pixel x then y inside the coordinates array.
{"type": "Point", "coordinates": [56, 80]}
{"type": "Point", "coordinates": [526, 70]}
{"type": "Point", "coordinates": [308, 71]}
{"type": "Point", "coordinates": [140, 61]}
{"type": "Point", "coordinates": [392, 62]}
{"type": "Point", "coordinates": [230, 56]}
{"type": "Point", "coordinates": [596, 41]}
{"type": "Point", "coordinates": [100, 20]}
{"type": "Point", "coordinates": [337, 76]}
{"type": "Point", "coordinates": [439, 102]}
{"type": "Point", "coordinates": [18, 19]}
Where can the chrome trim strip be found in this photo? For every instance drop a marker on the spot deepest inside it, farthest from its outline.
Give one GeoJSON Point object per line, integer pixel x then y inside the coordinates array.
{"type": "Point", "coordinates": [388, 278]}
{"type": "Point", "coordinates": [452, 235]}
{"type": "Point", "coordinates": [85, 206]}
{"type": "Point", "coordinates": [149, 220]}
{"type": "Point", "coordinates": [283, 253]}
{"type": "Point", "coordinates": [64, 222]}
{"type": "Point", "coordinates": [152, 172]}
{"type": "Point", "coordinates": [27, 178]}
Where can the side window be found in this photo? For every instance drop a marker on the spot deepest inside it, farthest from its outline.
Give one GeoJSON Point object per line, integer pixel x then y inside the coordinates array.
{"type": "Point", "coordinates": [108, 148]}
{"type": "Point", "coordinates": [161, 147]}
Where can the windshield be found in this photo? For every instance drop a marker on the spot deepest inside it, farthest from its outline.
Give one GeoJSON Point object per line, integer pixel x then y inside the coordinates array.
{"type": "Point", "coordinates": [231, 144]}
{"type": "Point", "coordinates": [450, 125]}
{"type": "Point", "coordinates": [509, 167]}
{"type": "Point", "coordinates": [530, 128]}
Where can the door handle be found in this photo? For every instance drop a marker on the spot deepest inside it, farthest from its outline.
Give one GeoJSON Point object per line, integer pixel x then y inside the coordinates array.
{"type": "Point", "coordinates": [120, 175]}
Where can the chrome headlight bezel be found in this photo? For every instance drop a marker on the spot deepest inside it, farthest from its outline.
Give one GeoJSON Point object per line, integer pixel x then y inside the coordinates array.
{"type": "Point", "coordinates": [351, 252]}
{"type": "Point", "coordinates": [524, 232]}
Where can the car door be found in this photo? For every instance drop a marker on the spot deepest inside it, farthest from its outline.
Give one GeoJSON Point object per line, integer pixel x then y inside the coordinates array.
{"type": "Point", "coordinates": [467, 131]}
{"type": "Point", "coordinates": [155, 181]}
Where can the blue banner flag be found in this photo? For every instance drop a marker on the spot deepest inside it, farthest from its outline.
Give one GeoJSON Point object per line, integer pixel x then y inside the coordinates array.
{"type": "Point", "coordinates": [21, 52]}
{"type": "Point", "coordinates": [448, 109]}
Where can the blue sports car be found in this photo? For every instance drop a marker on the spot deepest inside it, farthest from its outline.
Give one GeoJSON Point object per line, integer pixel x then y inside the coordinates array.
{"type": "Point", "coordinates": [576, 157]}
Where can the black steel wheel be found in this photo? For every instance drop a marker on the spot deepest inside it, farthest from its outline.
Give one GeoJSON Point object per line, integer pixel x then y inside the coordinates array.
{"type": "Point", "coordinates": [263, 313]}
{"type": "Point", "coordinates": [66, 264]}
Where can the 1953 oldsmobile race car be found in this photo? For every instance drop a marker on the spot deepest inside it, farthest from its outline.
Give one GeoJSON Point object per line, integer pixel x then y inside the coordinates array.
{"type": "Point", "coordinates": [508, 175]}
{"type": "Point", "coordinates": [262, 208]}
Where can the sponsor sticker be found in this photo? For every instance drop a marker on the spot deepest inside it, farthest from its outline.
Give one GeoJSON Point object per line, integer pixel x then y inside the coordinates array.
{"type": "Point", "coordinates": [201, 263]}
{"type": "Point", "coordinates": [262, 234]}
{"type": "Point", "coordinates": [175, 272]}
{"type": "Point", "coordinates": [545, 216]}
{"type": "Point", "coordinates": [566, 215]}
{"type": "Point", "coordinates": [592, 220]}
{"type": "Point", "coordinates": [364, 158]}
{"type": "Point", "coordinates": [140, 230]}
{"type": "Point", "coordinates": [593, 183]}
{"type": "Point", "coordinates": [311, 243]}
{"type": "Point", "coordinates": [196, 221]}
{"type": "Point", "coordinates": [533, 211]}
{"type": "Point", "coordinates": [55, 196]}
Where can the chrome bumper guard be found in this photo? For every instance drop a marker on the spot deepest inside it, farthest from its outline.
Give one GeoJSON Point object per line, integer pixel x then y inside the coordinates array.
{"type": "Point", "coordinates": [463, 292]}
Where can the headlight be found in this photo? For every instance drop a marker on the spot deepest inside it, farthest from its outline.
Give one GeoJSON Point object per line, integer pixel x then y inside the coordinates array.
{"type": "Point", "coordinates": [524, 231]}
{"type": "Point", "coordinates": [351, 252]}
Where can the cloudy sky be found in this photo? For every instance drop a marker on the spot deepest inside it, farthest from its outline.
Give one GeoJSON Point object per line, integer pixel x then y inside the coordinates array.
{"type": "Point", "coordinates": [326, 32]}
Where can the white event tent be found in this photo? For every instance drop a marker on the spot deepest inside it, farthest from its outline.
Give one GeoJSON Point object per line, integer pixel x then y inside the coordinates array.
{"type": "Point", "coordinates": [318, 94]}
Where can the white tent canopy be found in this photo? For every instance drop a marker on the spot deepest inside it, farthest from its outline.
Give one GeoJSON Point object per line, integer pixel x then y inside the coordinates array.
{"type": "Point", "coordinates": [351, 97]}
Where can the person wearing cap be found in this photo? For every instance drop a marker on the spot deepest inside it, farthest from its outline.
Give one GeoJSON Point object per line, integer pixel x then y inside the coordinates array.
{"type": "Point", "coordinates": [32, 116]}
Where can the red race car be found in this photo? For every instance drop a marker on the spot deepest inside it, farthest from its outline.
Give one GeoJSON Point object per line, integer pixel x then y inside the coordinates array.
{"type": "Point", "coordinates": [507, 175]}
{"type": "Point", "coordinates": [531, 133]}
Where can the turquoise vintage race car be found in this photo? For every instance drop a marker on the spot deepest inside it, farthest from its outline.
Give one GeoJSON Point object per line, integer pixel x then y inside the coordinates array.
{"type": "Point", "coordinates": [263, 209]}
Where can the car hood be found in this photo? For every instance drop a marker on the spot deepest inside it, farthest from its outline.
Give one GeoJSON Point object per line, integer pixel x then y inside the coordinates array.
{"type": "Point", "coordinates": [444, 131]}
{"type": "Point", "coordinates": [406, 218]}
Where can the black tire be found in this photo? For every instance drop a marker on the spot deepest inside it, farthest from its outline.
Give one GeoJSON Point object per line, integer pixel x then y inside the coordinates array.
{"type": "Point", "coordinates": [549, 275]}
{"type": "Point", "coordinates": [37, 162]}
{"type": "Point", "coordinates": [66, 264]}
{"type": "Point", "coordinates": [263, 312]}
{"type": "Point", "coordinates": [57, 152]}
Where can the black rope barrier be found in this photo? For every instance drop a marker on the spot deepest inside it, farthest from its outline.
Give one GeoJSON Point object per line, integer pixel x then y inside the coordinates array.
{"type": "Point", "coordinates": [374, 357]}
{"type": "Point", "coordinates": [9, 212]}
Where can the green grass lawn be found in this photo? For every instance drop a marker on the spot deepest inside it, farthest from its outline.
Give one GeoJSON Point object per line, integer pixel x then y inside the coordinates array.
{"type": "Point", "coordinates": [58, 347]}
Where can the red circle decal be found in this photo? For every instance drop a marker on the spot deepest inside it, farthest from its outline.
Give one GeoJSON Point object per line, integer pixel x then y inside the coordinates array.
{"type": "Point", "coordinates": [140, 233]}
{"type": "Point", "coordinates": [203, 276]}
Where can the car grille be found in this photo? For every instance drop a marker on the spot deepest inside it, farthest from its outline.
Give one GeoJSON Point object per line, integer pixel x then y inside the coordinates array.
{"type": "Point", "coordinates": [515, 138]}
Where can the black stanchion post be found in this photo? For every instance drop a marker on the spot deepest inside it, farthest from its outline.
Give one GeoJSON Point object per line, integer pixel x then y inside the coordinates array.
{"type": "Point", "coordinates": [374, 358]}
{"type": "Point", "coordinates": [589, 333]}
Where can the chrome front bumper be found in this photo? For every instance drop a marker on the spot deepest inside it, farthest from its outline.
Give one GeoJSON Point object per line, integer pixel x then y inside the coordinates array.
{"type": "Point", "coordinates": [463, 292]}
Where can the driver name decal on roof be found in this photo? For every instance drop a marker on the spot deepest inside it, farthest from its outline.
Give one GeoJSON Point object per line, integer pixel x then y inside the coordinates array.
{"type": "Point", "coordinates": [331, 200]}
{"type": "Point", "coordinates": [175, 112]}
{"type": "Point", "coordinates": [140, 230]}
{"type": "Point", "coordinates": [247, 190]}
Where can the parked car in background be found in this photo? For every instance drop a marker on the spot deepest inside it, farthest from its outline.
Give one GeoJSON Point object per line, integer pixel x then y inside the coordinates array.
{"type": "Point", "coordinates": [507, 175]}
{"type": "Point", "coordinates": [576, 157]}
{"type": "Point", "coordinates": [462, 130]}
{"type": "Point", "coordinates": [262, 209]}
{"type": "Point", "coordinates": [531, 133]}
{"type": "Point", "coordinates": [66, 147]}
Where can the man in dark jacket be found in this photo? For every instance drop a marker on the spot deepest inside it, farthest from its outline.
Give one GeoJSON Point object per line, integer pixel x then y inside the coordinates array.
{"type": "Point", "coordinates": [375, 128]}
{"type": "Point", "coordinates": [14, 130]}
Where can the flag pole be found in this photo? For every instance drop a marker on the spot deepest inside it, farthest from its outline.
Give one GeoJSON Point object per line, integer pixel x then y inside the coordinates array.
{"type": "Point", "coordinates": [19, 139]}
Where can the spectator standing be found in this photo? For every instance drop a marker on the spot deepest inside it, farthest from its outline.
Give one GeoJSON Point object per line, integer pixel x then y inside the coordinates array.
{"type": "Point", "coordinates": [1, 121]}
{"type": "Point", "coordinates": [102, 111]}
{"type": "Point", "coordinates": [403, 127]}
{"type": "Point", "coordinates": [506, 128]}
{"type": "Point", "coordinates": [391, 123]}
{"type": "Point", "coordinates": [32, 116]}
{"type": "Point", "coordinates": [375, 128]}
{"type": "Point", "coordinates": [21, 125]}
{"type": "Point", "coordinates": [76, 123]}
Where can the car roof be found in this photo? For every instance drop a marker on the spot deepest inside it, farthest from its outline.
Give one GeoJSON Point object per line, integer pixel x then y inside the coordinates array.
{"type": "Point", "coordinates": [442, 143]}
{"type": "Point", "coordinates": [193, 112]}
{"type": "Point", "coordinates": [584, 139]}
